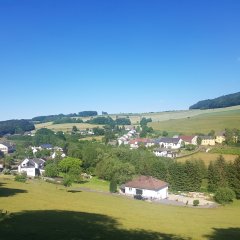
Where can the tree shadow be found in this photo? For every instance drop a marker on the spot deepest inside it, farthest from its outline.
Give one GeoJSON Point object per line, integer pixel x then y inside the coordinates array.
{"type": "Point", "coordinates": [65, 225]}
{"type": "Point", "coordinates": [7, 192]}
{"type": "Point", "coordinates": [224, 234]}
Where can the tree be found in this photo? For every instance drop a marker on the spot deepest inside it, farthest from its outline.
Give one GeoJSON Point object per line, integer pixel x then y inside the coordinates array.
{"type": "Point", "coordinates": [1, 154]}
{"type": "Point", "coordinates": [67, 181]}
{"type": "Point", "coordinates": [69, 163]}
{"type": "Point", "coordinates": [234, 176]}
{"type": "Point", "coordinates": [51, 170]}
{"type": "Point", "coordinates": [165, 133]}
{"type": "Point", "coordinates": [74, 129]}
{"type": "Point", "coordinates": [224, 195]}
{"type": "Point", "coordinates": [113, 186]}
{"type": "Point", "coordinates": [217, 174]}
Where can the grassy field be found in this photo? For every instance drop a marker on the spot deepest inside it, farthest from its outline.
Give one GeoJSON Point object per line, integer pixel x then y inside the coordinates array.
{"type": "Point", "coordinates": [207, 157]}
{"type": "Point", "coordinates": [42, 210]}
{"type": "Point", "coordinates": [65, 127]}
{"type": "Point", "coordinates": [203, 123]}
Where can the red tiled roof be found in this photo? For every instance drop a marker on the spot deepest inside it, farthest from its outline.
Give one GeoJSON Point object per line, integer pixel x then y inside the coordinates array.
{"type": "Point", "coordinates": [187, 138]}
{"type": "Point", "coordinates": [146, 182]}
{"type": "Point", "coordinates": [140, 140]}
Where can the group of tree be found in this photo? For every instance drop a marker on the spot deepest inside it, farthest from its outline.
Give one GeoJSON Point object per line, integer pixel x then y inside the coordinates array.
{"type": "Point", "coordinates": [68, 120]}
{"type": "Point", "coordinates": [145, 130]}
{"type": "Point", "coordinates": [222, 175]}
{"type": "Point", "coordinates": [15, 127]}
{"type": "Point", "coordinates": [60, 117]}
{"type": "Point", "coordinates": [220, 102]}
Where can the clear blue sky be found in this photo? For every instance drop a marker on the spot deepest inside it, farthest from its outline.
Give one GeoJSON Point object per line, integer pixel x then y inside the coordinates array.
{"type": "Point", "coordinates": [116, 56]}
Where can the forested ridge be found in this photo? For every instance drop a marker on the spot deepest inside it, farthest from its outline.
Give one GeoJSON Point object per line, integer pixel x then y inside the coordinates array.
{"type": "Point", "coordinates": [219, 102]}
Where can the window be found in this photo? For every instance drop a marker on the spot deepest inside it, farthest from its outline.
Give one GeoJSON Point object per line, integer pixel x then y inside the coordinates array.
{"type": "Point", "coordinates": [130, 189]}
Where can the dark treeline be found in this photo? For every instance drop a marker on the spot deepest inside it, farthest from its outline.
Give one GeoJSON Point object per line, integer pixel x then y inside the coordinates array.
{"type": "Point", "coordinates": [68, 120]}
{"type": "Point", "coordinates": [15, 127]}
{"type": "Point", "coordinates": [59, 117]}
{"type": "Point", "coordinates": [109, 121]}
{"type": "Point", "coordinates": [220, 102]}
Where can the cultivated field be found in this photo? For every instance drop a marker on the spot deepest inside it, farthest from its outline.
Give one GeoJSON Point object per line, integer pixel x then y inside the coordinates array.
{"type": "Point", "coordinates": [203, 123]}
{"type": "Point", "coordinates": [65, 127]}
{"type": "Point", "coordinates": [42, 210]}
{"type": "Point", "coordinates": [207, 157]}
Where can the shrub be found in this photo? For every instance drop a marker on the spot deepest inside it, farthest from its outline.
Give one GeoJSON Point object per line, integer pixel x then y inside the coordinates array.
{"type": "Point", "coordinates": [21, 177]}
{"type": "Point", "coordinates": [6, 171]}
{"type": "Point", "coordinates": [67, 181]}
{"type": "Point", "coordinates": [195, 202]}
{"type": "Point", "coordinates": [224, 195]}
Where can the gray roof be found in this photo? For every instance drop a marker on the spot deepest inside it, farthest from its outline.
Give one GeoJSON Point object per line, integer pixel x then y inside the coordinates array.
{"type": "Point", "coordinates": [169, 140]}
{"type": "Point", "coordinates": [31, 162]}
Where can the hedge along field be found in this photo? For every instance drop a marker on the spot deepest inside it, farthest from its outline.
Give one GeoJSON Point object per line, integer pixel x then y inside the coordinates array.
{"type": "Point", "coordinates": [203, 123]}
{"type": "Point", "coordinates": [41, 210]}
{"type": "Point", "coordinates": [66, 127]}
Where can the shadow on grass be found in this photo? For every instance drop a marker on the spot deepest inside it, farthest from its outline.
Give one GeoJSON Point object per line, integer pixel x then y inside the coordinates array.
{"type": "Point", "coordinates": [7, 192]}
{"type": "Point", "coordinates": [74, 191]}
{"type": "Point", "coordinates": [65, 225]}
{"type": "Point", "coordinates": [224, 234]}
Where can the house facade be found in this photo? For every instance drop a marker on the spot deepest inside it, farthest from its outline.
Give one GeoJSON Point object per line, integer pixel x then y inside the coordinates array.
{"type": "Point", "coordinates": [208, 141]}
{"type": "Point", "coordinates": [32, 167]}
{"type": "Point", "coordinates": [6, 147]}
{"type": "Point", "coordinates": [172, 143]}
{"type": "Point", "coordinates": [220, 137]}
{"type": "Point", "coordinates": [164, 152]}
{"type": "Point", "coordinates": [147, 187]}
{"type": "Point", "coordinates": [189, 139]}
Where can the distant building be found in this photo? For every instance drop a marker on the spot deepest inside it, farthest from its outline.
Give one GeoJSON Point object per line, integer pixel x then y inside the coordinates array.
{"type": "Point", "coordinates": [207, 141]}
{"type": "Point", "coordinates": [165, 152]}
{"type": "Point", "coordinates": [220, 137]}
{"type": "Point", "coordinates": [6, 147]}
{"type": "Point", "coordinates": [172, 143]}
{"type": "Point", "coordinates": [189, 139]}
{"type": "Point", "coordinates": [47, 146]}
{"type": "Point", "coordinates": [32, 167]}
{"type": "Point", "coordinates": [147, 187]}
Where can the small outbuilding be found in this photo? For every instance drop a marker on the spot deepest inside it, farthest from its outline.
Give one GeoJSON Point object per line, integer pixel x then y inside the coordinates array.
{"type": "Point", "coordinates": [147, 187]}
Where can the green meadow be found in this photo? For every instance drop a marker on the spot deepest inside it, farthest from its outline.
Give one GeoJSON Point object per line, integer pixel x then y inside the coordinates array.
{"type": "Point", "coordinates": [202, 123]}
{"type": "Point", "coordinates": [40, 210]}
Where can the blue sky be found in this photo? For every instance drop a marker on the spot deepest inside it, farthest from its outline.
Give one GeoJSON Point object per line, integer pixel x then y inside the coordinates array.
{"type": "Point", "coordinates": [116, 56]}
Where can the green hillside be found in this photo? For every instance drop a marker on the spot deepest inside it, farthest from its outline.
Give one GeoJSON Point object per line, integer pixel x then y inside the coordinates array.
{"type": "Point", "coordinates": [202, 123]}
{"type": "Point", "coordinates": [41, 210]}
{"type": "Point", "coordinates": [219, 102]}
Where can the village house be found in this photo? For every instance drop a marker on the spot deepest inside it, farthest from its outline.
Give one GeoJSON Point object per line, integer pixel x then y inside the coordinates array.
{"type": "Point", "coordinates": [135, 143]}
{"type": "Point", "coordinates": [220, 137]}
{"type": "Point", "coordinates": [32, 167]}
{"type": "Point", "coordinates": [147, 187]}
{"type": "Point", "coordinates": [189, 139]}
{"type": "Point", "coordinates": [172, 143]}
{"type": "Point", "coordinates": [165, 152]}
{"type": "Point", "coordinates": [6, 147]}
{"type": "Point", "coordinates": [207, 141]}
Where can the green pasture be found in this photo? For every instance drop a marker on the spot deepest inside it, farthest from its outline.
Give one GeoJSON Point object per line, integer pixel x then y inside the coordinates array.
{"type": "Point", "coordinates": [40, 210]}
{"type": "Point", "coordinates": [203, 123]}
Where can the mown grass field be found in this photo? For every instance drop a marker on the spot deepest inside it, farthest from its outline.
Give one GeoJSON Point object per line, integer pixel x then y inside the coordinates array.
{"type": "Point", "coordinates": [207, 157]}
{"type": "Point", "coordinates": [42, 210]}
{"type": "Point", "coordinates": [65, 127]}
{"type": "Point", "coordinates": [203, 123]}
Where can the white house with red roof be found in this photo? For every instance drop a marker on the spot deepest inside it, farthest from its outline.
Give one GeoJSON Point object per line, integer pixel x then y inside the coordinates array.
{"type": "Point", "coordinates": [147, 187]}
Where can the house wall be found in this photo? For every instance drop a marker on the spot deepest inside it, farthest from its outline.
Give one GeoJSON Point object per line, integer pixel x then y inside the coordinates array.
{"type": "Point", "coordinates": [30, 171]}
{"type": "Point", "coordinates": [220, 139]}
{"type": "Point", "coordinates": [170, 145]}
{"type": "Point", "coordinates": [194, 140]}
{"type": "Point", "coordinates": [3, 148]}
{"type": "Point", "coordinates": [160, 194]}
{"type": "Point", "coordinates": [208, 142]}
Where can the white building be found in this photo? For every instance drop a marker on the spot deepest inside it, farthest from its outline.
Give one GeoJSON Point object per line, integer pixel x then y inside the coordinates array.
{"type": "Point", "coordinates": [6, 147]}
{"type": "Point", "coordinates": [32, 167]}
{"type": "Point", "coordinates": [147, 187]}
{"type": "Point", "coordinates": [165, 152]}
{"type": "Point", "coordinates": [189, 139]}
{"type": "Point", "coordinates": [172, 143]}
